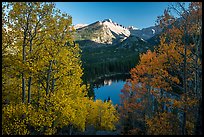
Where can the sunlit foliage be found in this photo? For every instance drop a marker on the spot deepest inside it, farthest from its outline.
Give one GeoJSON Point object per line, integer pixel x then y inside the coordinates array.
{"type": "Point", "coordinates": [42, 89]}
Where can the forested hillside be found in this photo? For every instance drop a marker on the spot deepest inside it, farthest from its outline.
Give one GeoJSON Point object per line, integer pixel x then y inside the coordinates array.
{"type": "Point", "coordinates": [107, 60]}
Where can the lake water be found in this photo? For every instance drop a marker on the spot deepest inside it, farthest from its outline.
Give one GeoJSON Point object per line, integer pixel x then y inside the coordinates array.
{"type": "Point", "coordinates": [111, 89]}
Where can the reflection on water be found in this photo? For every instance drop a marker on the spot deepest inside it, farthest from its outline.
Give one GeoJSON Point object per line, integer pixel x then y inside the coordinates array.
{"type": "Point", "coordinates": [110, 87]}
{"type": "Point", "coordinates": [107, 82]}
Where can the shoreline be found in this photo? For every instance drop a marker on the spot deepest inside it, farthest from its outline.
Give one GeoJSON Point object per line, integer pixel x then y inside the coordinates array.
{"type": "Point", "coordinates": [106, 76]}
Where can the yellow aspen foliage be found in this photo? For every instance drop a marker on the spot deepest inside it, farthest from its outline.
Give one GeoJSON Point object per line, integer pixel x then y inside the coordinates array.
{"type": "Point", "coordinates": [41, 59]}
{"type": "Point", "coordinates": [102, 115]}
{"type": "Point", "coordinates": [14, 120]}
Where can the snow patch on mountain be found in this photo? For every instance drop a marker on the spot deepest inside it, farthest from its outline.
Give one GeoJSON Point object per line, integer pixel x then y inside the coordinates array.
{"type": "Point", "coordinates": [77, 26]}
{"type": "Point", "coordinates": [142, 39]}
{"type": "Point", "coordinates": [132, 28]}
{"type": "Point", "coordinates": [153, 31]}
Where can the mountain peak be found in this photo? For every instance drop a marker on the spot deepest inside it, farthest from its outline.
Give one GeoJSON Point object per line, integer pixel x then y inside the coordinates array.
{"type": "Point", "coordinates": [108, 20]}
{"type": "Point", "coordinates": [105, 31]}
{"type": "Point", "coordinates": [114, 23]}
{"type": "Point", "coordinates": [116, 28]}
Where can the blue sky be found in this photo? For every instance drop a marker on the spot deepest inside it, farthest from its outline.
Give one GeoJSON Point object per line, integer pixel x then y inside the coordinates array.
{"type": "Point", "coordinates": [137, 14]}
